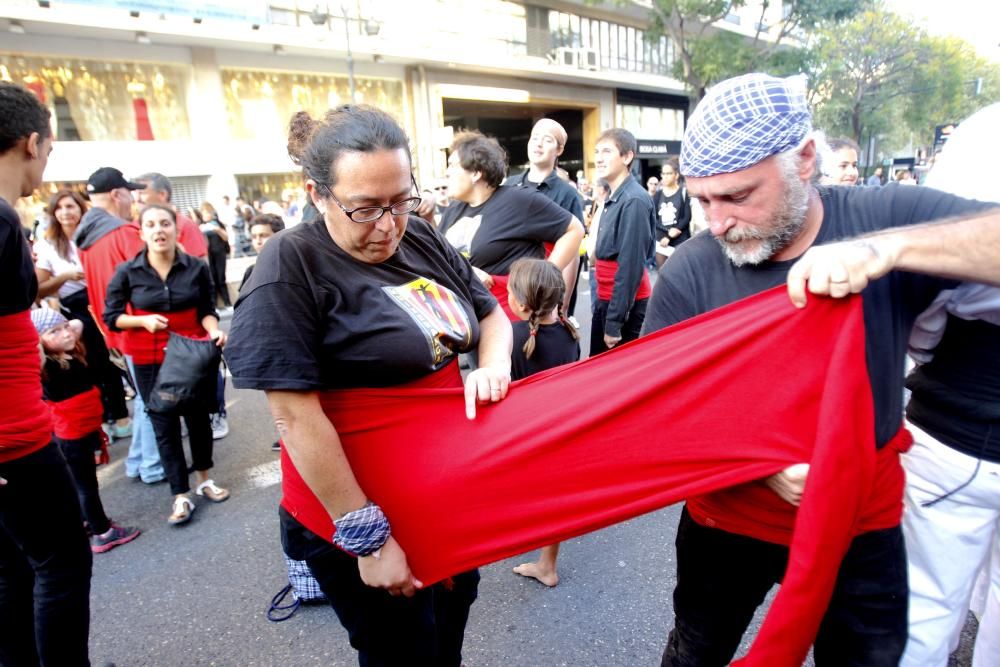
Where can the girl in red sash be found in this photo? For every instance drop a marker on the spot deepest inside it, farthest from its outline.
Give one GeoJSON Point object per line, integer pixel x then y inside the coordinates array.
{"type": "Point", "coordinates": [161, 290]}
{"type": "Point", "coordinates": [77, 412]}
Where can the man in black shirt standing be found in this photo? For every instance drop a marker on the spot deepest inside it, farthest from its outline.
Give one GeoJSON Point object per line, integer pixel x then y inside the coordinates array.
{"type": "Point", "coordinates": [624, 241]}
{"type": "Point", "coordinates": [546, 143]}
{"type": "Point", "coordinates": [749, 156]}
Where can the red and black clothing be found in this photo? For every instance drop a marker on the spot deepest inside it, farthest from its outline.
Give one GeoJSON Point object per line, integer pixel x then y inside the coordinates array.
{"type": "Point", "coordinates": [104, 241]}
{"type": "Point", "coordinates": [313, 318]}
{"type": "Point", "coordinates": [624, 242]}
{"type": "Point", "coordinates": [185, 297]}
{"type": "Point", "coordinates": [512, 224]}
{"type": "Point", "coordinates": [866, 621]}
{"type": "Point", "coordinates": [44, 555]}
{"type": "Point", "coordinates": [77, 416]}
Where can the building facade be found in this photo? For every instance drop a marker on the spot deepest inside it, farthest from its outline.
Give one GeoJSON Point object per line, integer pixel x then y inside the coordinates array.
{"type": "Point", "coordinates": [202, 91]}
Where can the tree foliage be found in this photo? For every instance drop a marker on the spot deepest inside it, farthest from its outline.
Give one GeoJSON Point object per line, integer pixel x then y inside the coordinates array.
{"type": "Point", "coordinates": [705, 54]}
{"type": "Point", "coordinates": [878, 75]}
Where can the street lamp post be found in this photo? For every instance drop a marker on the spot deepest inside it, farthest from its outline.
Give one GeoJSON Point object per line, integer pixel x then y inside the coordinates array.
{"type": "Point", "coordinates": [320, 18]}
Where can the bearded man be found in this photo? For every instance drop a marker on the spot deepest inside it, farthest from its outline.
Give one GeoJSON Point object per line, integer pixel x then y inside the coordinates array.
{"type": "Point", "coordinates": [749, 156]}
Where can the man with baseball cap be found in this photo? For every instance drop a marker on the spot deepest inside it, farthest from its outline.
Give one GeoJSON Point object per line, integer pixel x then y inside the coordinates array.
{"type": "Point", "coordinates": [105, 238]}
{"type": "Point", "coordinates": [749, 156]}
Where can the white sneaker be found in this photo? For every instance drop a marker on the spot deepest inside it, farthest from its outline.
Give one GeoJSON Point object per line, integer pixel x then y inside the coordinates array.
{"type": "Point", "coordinates": [220, 427]}
{"type": "Point", "coordinates": [573, 321]}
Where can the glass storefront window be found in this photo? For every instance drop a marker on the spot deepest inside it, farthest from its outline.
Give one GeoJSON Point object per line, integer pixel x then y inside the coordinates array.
{"type": "Point", "coordinates": [94, 100]}
{"type": "Point", "coordinates": [260, 104]}
{"type": "Point", "coordinates": [651, 122]}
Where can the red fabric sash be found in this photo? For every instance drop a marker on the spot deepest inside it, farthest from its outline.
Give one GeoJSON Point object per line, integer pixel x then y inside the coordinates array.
{"type": "Point", "coordinates": [25, 422]}
{"type": "Point", "coordinates": [299, 500]}
{"type": "Point", "coordinates": [538, 468]}
{"type": "Point", "coordinates": [148, 348]}
{"type": "Point", "coordinates": [756, 511]}
{"type": "Point", "coordinates": [78, 416]}
{"type": "Point", "coordinates": [499, 290]}
{"type": "Point", "coordinates": [605, 271]}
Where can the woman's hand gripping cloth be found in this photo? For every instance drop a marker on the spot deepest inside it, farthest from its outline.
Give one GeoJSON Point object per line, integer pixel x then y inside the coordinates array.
{"type": "Point", "coordinates": [731, 396]}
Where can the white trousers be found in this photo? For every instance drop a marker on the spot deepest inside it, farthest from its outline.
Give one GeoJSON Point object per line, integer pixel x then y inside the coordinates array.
{"type": "Point", "coordinates": [948, 545]}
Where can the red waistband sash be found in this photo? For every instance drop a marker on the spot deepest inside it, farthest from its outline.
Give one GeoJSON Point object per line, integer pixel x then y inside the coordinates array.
{"type": "Point", "coordinates": [756, 511]}
{"type": "Point", "coordinates": [586, 445]}
{"type": "Point", "coordinates": [606, 269]}
{"type": "Point", "coordinates": [499, 290]}
{"type": "Point", "coordinates": [25, 422]}
{"type": "Point", "coordinates": [78, 416]}
{"type": "Point", "coordinates": [299, 500]}
{"type": "Point", "coordinates": [148, 348]}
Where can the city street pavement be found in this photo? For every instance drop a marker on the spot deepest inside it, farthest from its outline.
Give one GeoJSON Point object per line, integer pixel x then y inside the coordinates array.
{"type": "Point", "coordinates": [197, 594]}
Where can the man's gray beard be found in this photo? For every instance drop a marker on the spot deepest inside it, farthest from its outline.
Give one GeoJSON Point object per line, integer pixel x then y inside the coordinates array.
{"type": "Point", "coordinates": [790, 220]}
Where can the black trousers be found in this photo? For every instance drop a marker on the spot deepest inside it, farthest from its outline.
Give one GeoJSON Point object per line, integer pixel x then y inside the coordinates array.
{"type": "Point", "coordinates": [386, 631]}
{"type": "Point", "coordinates": [167, 427]}
{"type": "Point", "coordinates": [217, 266]}
{"type": "Point", "coordinates": [722, 578]}
{"type": "Point", "coordinates": [79, 455]}
{"type": "Point", "coordinates": [631, 330]}
{"type": "Point", "coordinates": [108, 376]}
{"type": "Point", "coordinates": [45, 565]}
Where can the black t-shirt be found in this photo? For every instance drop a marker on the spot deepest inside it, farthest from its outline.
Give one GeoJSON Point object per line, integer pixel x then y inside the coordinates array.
{"type": "Point", "coordinates": [312, 317]}
{"type": "Point", "coordinates": [699, 278]}
{"type": "Point", "coordinates": [680, 204]}
{"type": "Point", "coordinates": [554, 346]}
{"type": "Point", "coordinates": [18, 284]}
{"type": "Point", "coordinates": [62, 383]}
{"type": "Point", "coordinates": [554, 188]}
{"type": "Point", "coordinates": [511, 224]}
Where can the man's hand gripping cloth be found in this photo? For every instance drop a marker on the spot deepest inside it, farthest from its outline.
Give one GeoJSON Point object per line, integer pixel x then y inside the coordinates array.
{"type": "Point", "coordinates": [731, 396]}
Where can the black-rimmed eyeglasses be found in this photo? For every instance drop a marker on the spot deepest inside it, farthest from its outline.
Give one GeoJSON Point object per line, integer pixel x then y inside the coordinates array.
{"type": "Point", "coordinates": [366, 214]}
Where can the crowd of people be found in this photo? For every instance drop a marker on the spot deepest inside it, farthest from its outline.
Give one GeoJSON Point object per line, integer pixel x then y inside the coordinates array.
{"type": "Point", "coordinates": [383, 284]}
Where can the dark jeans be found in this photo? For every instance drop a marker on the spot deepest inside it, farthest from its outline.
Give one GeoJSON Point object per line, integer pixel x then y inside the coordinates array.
{"type": "Point", "coordinates": [108, 376]}
{"type": "Point", "coordinates": [633, 325]}
{"type": "Point", "coordinates": [44, 565]}
{"type": "Point", "coordinates": [722, 578]}
{"type": "Point", "coordinates": [217, 267]}
{"type": "Point", "coordinates": [167, 427]}
{"type": "Point", "coordinates": [386, 631]}
{"type": "Point", "coordinates": [79, 455]}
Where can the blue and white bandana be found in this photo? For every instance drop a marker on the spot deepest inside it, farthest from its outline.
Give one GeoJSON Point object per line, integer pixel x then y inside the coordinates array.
{"type": "Point", "coordinates": [743, 120]}
{"type": "Point", "coordinates": [46, 318]}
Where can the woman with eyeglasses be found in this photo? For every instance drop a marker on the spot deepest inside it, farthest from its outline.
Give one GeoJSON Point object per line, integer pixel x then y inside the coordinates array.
{"type": "Point", "coordinates": [495, 225]}
{"type": "Point", "coordinates": [366, 296]}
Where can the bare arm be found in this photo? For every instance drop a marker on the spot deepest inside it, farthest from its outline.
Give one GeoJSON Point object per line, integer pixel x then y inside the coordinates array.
{"type": "Point", "coordinates": [566, 255]}
{"type": "Point", "coordinates": [49, 284]}
{"type": "Point", "coordinates": [312, 443]}
{"type": "Point", "coordinates": [489, 382]}
{"type": "Point", "coordinates": [961, 248]}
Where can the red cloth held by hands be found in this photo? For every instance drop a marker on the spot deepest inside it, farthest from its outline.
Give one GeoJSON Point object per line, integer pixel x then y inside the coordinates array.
{"type": "Point", "coordinates": [725, 398]}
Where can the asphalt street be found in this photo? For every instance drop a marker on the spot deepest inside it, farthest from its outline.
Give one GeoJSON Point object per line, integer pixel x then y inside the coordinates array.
{"type": "Point", "coordinates": [197, 594]}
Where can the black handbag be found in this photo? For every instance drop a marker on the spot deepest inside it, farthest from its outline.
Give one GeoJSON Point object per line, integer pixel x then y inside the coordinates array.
{"type": "Point", "coordinates": [187, 377]}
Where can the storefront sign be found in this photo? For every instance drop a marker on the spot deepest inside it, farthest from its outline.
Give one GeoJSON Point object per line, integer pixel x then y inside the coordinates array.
{"type": "Point", "coordinates": [244, 11]}
{"type": "Point", "coordinates": [651, 149]}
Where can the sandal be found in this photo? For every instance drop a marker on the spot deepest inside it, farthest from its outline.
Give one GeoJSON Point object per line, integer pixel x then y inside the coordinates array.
{"type": "Point", "coordinates": [209, 490]}
{"type": "Point", "coordinates": [183, 508]}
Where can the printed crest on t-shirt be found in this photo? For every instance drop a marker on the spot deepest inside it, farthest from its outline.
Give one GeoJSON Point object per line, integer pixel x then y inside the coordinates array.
{"type": "Point", "coordinates": [438, 314]}
{"type": "Point", "coordinates": [460, 234]}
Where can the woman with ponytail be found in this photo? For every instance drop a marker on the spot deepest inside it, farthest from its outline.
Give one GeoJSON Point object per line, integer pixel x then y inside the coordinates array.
{"type": "Point", "coordinates": [543, 339]}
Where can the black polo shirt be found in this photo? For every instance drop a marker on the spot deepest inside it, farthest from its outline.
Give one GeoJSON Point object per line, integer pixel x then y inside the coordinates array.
{"type": "Point", "coordinates": [554, 188]}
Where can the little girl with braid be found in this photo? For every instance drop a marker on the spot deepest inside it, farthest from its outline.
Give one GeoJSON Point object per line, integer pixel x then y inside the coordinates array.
{"type": "Point", "coordinates": [543, 339]}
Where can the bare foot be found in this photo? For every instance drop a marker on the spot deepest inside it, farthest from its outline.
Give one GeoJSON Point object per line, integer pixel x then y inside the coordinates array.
{"type": "Point", "coordinates": [547, 576]}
